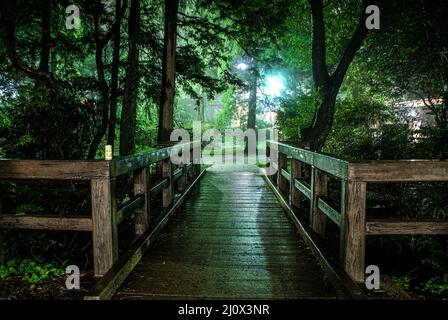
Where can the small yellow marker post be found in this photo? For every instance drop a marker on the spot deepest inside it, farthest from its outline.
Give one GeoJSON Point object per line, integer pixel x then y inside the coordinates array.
{"type": "Point", "coordinates": [108, 155]}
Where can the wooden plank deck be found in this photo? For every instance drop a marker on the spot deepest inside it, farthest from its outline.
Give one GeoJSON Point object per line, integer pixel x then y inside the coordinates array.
{"type": "Point", "coordinates": [231, 240]}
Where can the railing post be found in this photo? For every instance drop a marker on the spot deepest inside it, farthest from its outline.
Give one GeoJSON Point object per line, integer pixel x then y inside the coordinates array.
{"type": "Point", "coordinates": [190, 173]}
{"type": "Point", "coordinates": [141, 187]}
{"type": "Point", "coordinates": [319, 188]}
{"type": "Point", "coordinates": [272, 177]}
{"type": "Point", "coordinates": [282, 183]}
{"type": "Point", "coordinates": [353, 230]}
{"type": "Point", "coordinates": [104, 209]}
{"type": "Point", "coordinates": [296, 173]}
{"type": "Point", "coordinates": [167, 193]}
{"type": "Point", "coordinates": [196, 159]}
{"type": "Point", "coordinates": [182, 181]}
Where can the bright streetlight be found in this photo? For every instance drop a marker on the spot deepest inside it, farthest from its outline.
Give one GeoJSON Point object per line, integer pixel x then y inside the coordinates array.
{"type": "Point", "coordinates": [274, 85]}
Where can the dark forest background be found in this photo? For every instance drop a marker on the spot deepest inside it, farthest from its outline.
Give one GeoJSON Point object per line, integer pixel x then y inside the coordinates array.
{"type": "Point", "coordinates": [136, 69]}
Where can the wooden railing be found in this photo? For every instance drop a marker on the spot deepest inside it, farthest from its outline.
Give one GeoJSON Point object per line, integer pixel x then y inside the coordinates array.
{"type": "Point", "coordinates": [105, 217]}
{"type": "Point", "coordinates": [354, 177]}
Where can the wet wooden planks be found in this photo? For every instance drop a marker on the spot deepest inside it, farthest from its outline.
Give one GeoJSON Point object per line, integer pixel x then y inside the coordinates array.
{"type": "Point", "coordinates": [231, 240]}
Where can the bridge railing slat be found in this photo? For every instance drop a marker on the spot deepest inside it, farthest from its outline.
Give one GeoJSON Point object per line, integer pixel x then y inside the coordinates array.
{"type": "Point", "coordinates": [319, 188]}
{"type": "Point", "coordinates": [296, 174]}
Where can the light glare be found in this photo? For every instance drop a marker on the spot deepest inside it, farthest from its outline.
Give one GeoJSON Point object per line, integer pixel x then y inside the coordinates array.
{"type": "Point", "coordinates": [274, 86]}
{"type": "Point", "coordinates": [242, 66]}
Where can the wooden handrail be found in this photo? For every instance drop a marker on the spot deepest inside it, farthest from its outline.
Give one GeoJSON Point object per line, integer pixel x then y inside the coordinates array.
{"type": "Point", "coordinates": [105, 218]}
{"type": "Point", "coordinates": [331, 165]}
{"type": "Point", "coordinates": [399, 171]}
{"type": "Point", "coordinates": [54, 169]}
{"type": "Point", "coordinates": [46, 222]}
{"type": "Point", "coordinates": [354, 177]}
{"type": "Point", "coordinates": [126, 164]}
{"type": "Point", "coordinates": [82, 169]}
{"type": "Point", "coordinates": [390, 227]}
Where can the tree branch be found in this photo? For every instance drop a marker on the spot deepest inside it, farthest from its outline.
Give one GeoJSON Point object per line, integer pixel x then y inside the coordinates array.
{"type": "Point", "coordinates": [36, 74]}
{"type": "Point", "coordinates": [319, 62]}
{"type": "Point", "coordinates": [352, 47]}
{"type": "Point", "coordinates": [106, 38]}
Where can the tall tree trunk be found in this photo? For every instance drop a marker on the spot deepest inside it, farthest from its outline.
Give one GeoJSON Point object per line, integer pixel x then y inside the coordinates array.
{"type": "Point", "coordinates": [168, 73]}
{"type": "Point", "coordinates": [103, 87]}
{"type": "Point", "coordinates": [317, 134]}
{"type": "Point", "coordinates": [328, 85]}
{"type": "Point", "coordinates": [253, 87]}
{"type": "Point", "coordinates": [100, 43]}
{"type": "Point", "coordinates": [201, 107]}
{"type": "Point", "coordinates": [129, 110]}
{"type": "Point", "coordinates": [252, 113]}
{"type": "Point", "coordinates": [114, 78]}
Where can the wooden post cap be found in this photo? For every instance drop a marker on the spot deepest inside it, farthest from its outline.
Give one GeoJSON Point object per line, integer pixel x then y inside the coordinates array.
{"type": "Point", "coordinates": [108, 155]}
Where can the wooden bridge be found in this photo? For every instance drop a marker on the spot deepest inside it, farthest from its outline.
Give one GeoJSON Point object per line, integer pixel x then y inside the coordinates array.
{"type": "Point", "coordinates": [238, 233]}
{"type": "Point", "coordinates": [231, 240]}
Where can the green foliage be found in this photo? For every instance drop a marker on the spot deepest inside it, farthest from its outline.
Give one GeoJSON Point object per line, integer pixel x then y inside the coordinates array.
{"type": "Point", "coordinates": [261, 165]}
{"type": "Point", "coordinates": [366, 129]}
{"type": "Point", "coordinates": [225, 117]}
{"type": "Point", "coordinates": [227, 113]}
{"type": "Point", "coordinates": [146, 130]}
{"type": "Point", "coordinates": [29, 208]}
{"type": "Point", "coordinates": [295, 114]}
{"type": "Point", "coordinates": [61, 126]}
{"type": "Point", "coordinates": [434, 286]}
{"type": "Point", "coordinates": [405, 56]}
{"type": "Point", "coordinates": [403, 282]}
{"type": "Point", "coordinates": [434, 143]}
{"type": "Point", "coordinates": [29, 271]}
{"type": "Point", "coordinates": [341, 19]}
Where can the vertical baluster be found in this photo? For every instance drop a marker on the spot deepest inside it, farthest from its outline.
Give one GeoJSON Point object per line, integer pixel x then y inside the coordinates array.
{"type": "Point", "coordinates": [196, 160]}
{"type": "Point", "coordinates": [167, 192]}
{"type": "Point", "coordinates": [319, 188]}
{"type": "Point", "coordinates": [190, 174]}
{"type": "Point", "coordinates": [141, 187]}
{"type": "Point", "coordinates": [282, 182]}
{"type": "Point", "coordinates": [104, 209]}
{"type": "Point", "coordinates": [272, 164]}
{"type": "Point", "coordinates": [342, 226]}
{"type": "Point", "coordinates": [268, 155]}
{"type": "Point", "coordinates": [296, 173]}
{"type": "Point", "coordinates": [354, 227]}
{"type": "Point", "coordinates": [182, 181]}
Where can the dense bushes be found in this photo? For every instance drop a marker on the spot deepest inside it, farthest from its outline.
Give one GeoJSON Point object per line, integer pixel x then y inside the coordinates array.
{"type": "Point", "coordinates": [39, 124]}
{"type": "Point", "coordinates": [368, 130]}
{"type": "Point", "coordinates": [293, 115]}
{"type": "Point", "coordinates": [30, 271]}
